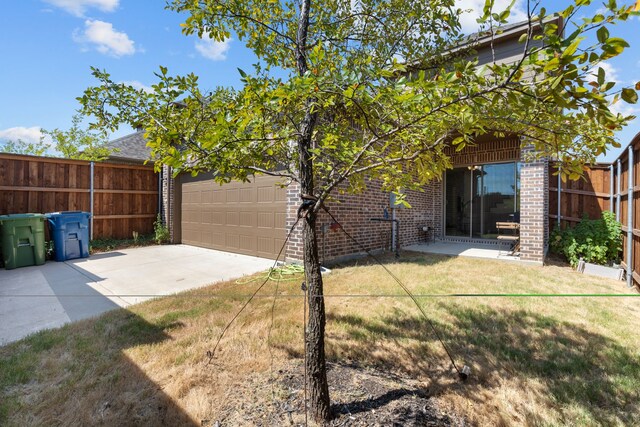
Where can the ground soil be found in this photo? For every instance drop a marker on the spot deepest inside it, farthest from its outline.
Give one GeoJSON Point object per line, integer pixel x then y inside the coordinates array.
{"type": "Point", "coordinates": [360, 397]}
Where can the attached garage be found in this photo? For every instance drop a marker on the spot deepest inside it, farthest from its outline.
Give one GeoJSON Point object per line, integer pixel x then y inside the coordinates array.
{"type": "Point", "coordinates": [246, 218]}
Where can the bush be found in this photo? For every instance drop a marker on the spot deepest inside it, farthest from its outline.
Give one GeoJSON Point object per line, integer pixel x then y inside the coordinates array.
{"type": "Point", "coordinates": [161, 230]}
{"type": "Point", "coordinates": [598, 241]}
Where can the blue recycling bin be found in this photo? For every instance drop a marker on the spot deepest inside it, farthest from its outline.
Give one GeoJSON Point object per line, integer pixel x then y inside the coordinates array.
{"type": "Point", "coordinates": [70, 234]}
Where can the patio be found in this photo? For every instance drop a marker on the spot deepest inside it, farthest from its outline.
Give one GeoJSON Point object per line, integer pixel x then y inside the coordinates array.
{"type": "Point", "coordinates": [498, 251]}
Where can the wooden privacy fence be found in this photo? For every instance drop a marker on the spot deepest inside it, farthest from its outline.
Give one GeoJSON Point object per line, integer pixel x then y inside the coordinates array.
{"type": "Point", "coordinates": [122, 198]}
{"type": "Point", "coordinates": [614, 187]}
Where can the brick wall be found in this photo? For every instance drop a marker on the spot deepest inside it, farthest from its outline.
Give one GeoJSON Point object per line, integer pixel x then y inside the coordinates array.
{"type": "Point", "coordinates": [354, 212]}
{"type": "Point", "coordinates": [534, 207]}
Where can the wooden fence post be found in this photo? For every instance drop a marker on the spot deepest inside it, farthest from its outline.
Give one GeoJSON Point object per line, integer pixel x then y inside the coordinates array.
{"type": "Point", "coordinates": [91, 199]}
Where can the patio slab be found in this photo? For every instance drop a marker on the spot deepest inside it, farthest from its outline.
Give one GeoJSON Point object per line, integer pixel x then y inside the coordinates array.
{"type": "Point", "coordinates": [466, 249]}
{"type": "Point", "coordinates": [50, 295]}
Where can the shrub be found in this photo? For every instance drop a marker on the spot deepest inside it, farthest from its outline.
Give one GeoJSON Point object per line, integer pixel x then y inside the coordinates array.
{"type": "Point", "coordinates": [598, 241]}
{"type": "Point", "coordinates": [161, 230]}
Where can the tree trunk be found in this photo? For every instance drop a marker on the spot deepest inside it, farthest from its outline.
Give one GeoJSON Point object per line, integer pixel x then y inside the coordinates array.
{"type": "Point", "coordinates": [316, 367]}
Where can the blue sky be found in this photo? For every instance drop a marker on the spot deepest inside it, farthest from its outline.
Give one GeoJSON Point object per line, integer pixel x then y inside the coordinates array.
{"type": "Point", "coordinates": [49, 45]}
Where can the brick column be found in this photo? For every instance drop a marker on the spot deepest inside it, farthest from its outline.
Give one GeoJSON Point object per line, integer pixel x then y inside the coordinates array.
{"type": "Point", "coordinates": [168, 209]}
{"type": "Point", "coordinates": [435, 194]}
{"type": "Point", "coordinates": [294, 249]}
{"type": "Point", "coordinates": [534, 207]}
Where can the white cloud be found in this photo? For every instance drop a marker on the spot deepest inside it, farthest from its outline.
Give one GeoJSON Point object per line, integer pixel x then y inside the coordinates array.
{"type": "Point", "coordinates": [78, 7]}
{"type": "Point", "coordinates": [468, 19]}
{"type": "Point", "coordinates": [610, 72]}
{"type": "Point", "coordinates": [27, 134]}
{"type": "Point", "coordinates": [105, 39]}
{"type": "Point", "coordinates": [137, 85]}
{"type": "Point", "coordinates": [212, 49]}
{"type": "Point", "coordinates": [621, 107]}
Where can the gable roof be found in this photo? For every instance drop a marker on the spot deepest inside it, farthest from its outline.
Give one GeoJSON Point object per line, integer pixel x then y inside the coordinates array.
{"type": "Point", "coordinates": [130, 148]}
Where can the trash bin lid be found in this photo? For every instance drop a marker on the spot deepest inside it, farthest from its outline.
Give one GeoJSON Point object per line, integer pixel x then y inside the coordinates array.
{"type": "Point", "coordinates": [11, 217]}
{"type": "Point", "coordinates": [65, 213]}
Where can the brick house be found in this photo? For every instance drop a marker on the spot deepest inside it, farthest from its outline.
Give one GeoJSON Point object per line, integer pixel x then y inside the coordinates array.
{"type": "Point", "coordinates": [491, 181]}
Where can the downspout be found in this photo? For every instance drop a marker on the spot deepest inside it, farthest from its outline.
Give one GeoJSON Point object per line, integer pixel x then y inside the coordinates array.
{"type": "Point", "coordinates": [91, 199]}
{"type": "Point", "coordinates": [160, 192]}
{"type": "Point", "coordinates": [611, 178]}
{"type": "Point", "coordinates": [630, 218]}
{"type": "Point", "coordinates": [618, 190]}
{"type": "Point", "coordinates": [559, 193]}
{"type": "Point", "coordinates": [394, 226]}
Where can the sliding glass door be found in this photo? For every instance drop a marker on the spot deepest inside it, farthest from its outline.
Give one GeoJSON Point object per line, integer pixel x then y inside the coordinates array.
{"type": "Point", "coordinates": [479, 196]}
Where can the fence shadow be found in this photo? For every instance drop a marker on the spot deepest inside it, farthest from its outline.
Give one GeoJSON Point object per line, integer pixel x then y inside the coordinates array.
{"type": "Point", "coordinates": [93, 355]}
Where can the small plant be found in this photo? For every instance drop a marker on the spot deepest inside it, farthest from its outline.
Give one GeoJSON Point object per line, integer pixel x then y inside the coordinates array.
{"type": "Point", "coordinates": [161, 230]}
{"type": "Point", "coordinates": [598, 241]}
{"type": "Point", "coordinates": [136, 237]}
{"type": "Point", "coordinates": [109, 244]}
{"type": "Point", "coordinates": [49, 249]}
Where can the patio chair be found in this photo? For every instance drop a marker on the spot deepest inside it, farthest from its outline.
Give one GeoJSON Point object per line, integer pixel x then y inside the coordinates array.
{"type": "Point", "coordinates": [512, 234]}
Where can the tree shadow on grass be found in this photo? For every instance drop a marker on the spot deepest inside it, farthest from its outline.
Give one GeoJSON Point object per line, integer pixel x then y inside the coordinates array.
{"type": "Point", "coordinates": [80, 374]}
{"type": "Point", "coordinates": [388, 258]}
{"type": "Point", "coordinates": [577, 368]}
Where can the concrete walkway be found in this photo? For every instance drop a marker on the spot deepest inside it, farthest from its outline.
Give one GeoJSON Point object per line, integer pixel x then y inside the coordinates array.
{"type": "Point", "coordinates": [48, 296]}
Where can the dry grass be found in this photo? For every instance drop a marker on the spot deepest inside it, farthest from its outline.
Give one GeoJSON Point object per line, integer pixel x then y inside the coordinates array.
{"type": "Point", "coordinates": [535, 361]}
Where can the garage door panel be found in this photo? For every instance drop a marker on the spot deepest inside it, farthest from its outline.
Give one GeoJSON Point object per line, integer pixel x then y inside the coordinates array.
{"type": "Point", "coordinates": [265, 219]}
{"type": "Point", "coordinates": [246, 195]}
{"type": "Point", "coordinates": [218, 196]}
{"type": "Point", "coordinates": [280, 218]}
{"type": "Point", "coordinates": [265, 194]}
{"type": "Point", "coordinates": [218, 218]}
{"type": "Point", "coordinates": [232, 240]}
{"type": "Point", "coordinates": [207, 196]}
{"type": "Point", "coordinates": [231, 195]}
{"type": "Point", "coordinates": [247, 218]}
{"type": "Point", "coordinates": [232, 218]}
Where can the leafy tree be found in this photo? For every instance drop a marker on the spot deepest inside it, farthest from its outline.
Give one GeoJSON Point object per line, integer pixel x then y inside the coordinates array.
{"type": "Point", "coordinates": [20, 146]}
{"type": "Point", "coordinates": [75, 143]}
{"type": "Point", "coordinates": [345, 90]}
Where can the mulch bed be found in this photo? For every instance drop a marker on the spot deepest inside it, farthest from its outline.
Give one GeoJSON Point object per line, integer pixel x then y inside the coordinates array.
{"type": "Point", "coordinates": [360, 397]}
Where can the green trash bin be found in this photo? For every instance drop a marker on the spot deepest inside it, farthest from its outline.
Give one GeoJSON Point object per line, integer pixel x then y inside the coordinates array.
{"type": "Point", "coordinates": [22, 240]}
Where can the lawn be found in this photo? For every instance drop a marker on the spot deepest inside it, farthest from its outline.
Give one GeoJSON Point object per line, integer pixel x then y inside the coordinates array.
{"type": "Point", "coordinates": [535, 360]}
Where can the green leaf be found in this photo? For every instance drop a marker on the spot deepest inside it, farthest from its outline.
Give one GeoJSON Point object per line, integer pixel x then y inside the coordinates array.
{"type": "Point", "coordinates": [603, 34]}
{"type": "Point", "coordinates": [601, 76]}
{"type": "Point", "coordinates": [629, 95]}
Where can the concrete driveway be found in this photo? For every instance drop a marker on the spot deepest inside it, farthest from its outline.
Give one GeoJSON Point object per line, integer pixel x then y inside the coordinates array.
{"type": "Point", "coordinates": [48, 296]}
